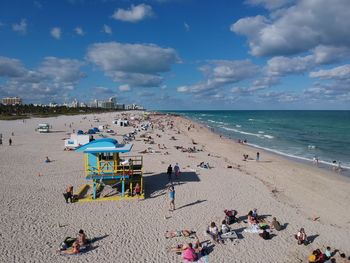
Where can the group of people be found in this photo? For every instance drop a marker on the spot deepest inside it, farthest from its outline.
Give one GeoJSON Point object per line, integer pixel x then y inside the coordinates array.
{"type": "Point", "coordinates": [176, 171]}
{"type": "Point", "coordinates": [246, 157]}
{"type": "Point", "coordinates": [190, 251]}
{"type": "Point", "coordinates": [317, 256]}
{"type": "Point", "coordinates": [71, 246]}
{"type": "Point", "coordinates": [224, 232]}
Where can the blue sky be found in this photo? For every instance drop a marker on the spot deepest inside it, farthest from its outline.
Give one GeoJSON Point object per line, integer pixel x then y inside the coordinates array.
{"type": "Point", "coordinates": [178, 54]}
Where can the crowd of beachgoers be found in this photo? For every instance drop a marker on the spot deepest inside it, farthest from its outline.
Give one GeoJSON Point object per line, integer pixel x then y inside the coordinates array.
{"type": "Point", "coordinates": [200, 195]}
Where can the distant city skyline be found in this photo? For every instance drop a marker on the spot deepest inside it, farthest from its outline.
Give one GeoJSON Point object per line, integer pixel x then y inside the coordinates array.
{"type": "Point", "coordinates": [178, 54]}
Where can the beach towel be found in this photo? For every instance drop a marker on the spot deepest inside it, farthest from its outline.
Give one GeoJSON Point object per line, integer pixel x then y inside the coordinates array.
{"type": "Point", "coordinates": [204, 259]}
{"type": "Point", "coordinates": [230, 235]}
{"type": "Point", "coordinates": [253, 229]}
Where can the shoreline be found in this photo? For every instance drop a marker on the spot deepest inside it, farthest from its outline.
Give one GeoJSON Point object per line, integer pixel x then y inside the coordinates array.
{"type": "Point", "coordinates": [324, 165]}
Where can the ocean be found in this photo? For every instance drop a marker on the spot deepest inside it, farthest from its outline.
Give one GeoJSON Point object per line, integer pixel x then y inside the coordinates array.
{"type": "Point", "coordinates": [297, 134]}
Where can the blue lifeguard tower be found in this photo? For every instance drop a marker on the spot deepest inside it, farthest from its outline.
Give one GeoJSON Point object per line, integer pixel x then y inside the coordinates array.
{"type": "Point", "coordinates": [104, 166]}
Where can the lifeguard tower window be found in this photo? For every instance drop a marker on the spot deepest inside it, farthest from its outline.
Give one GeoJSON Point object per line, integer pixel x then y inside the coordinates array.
{"type": "Point", "coordinates": [106, 156]}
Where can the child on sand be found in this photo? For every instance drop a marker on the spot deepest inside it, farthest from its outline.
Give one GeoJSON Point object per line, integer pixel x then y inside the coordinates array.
{"type": "Point", "coordinates": [301, 237]}
{"type": "Point", "coordinates": [137, 190]}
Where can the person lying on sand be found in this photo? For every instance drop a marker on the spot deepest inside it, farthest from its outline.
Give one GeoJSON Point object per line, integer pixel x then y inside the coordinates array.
{"type": "Point", "coordinates": [184, 233]}
{"type": "Point", "coordinates": [204, 165]}
{"type": "Point", "coordinates": [199, 248]}
{"type": "Point", "coordinates": [72, 251]}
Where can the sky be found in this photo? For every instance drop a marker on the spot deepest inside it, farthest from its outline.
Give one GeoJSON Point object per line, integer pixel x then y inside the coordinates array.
{"type": "Point", "coordinates": [178, 54]}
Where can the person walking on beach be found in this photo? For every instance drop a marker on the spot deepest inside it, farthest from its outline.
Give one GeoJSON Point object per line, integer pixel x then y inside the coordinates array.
{"type": "Point", "coordinates": [10, 141]}
{"type": "Point", "coordinates": [172, 198]}
{"type": "Point", "coordinates": [257, 156]}
{"type": "Point", "coordinates": [169, 172]}
{"type": "Point", "coordinates": [177, 170]}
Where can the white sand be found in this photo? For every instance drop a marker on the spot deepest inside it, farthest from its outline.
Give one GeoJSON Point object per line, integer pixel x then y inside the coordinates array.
{"type": "Point", "coordinates": [35, 219]}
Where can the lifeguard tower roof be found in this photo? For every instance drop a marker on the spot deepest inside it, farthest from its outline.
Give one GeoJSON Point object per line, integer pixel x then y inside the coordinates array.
{"type": "Point", "coordinates": [105, 145]}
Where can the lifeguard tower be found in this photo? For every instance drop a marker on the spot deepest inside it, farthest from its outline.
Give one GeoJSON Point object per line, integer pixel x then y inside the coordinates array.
{"type": "Point", "coordinates": [109, 171]}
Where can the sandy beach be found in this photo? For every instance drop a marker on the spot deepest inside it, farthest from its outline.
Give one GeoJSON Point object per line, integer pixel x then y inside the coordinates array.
{"type": "Point", "coordinates": [35, 218]}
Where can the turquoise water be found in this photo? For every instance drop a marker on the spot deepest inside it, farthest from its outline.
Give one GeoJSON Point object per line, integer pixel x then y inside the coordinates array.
{"type": "Point", "coordinates": [298, 134]}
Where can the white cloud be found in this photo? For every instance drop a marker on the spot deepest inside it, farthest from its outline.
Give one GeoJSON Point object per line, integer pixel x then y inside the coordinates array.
{"type": "Point", "coordinates": [321, 55]}
{"type": "Point", "coordinates": [79, 31]}
{"type": "Point", "coordinates": [279, 96]}
{"type": "Point", "coordinates": [278, 66]}
{"type": "Point", "coordinates": [298, 28]}
{"type": "Point", "coordinates": [107, 29]}
{"type": "Point", "coordinates": [103, 90]}
{"type": "Point", "coordinates": [133, 64]}
{"type": "Point", "coordinates": [61, 70]}
{"type": "Point", "coordinates": [187, 27]}
{"type": "Point", "coordinates": [341, 73]}
{"type": "Point", "coordinates": [20, 27]}
{"type": "Point", "coordinates": [218, 73]}
{"type": "Point", "coordinates": [56, 32]}
{"type": "Point", "coordinates": [11, 68]}
{"type": "Point", "coordinates": [183, 89]}
{"type": "Point", "coordinates": [54, 77]}
{"type": "Point", "coordinates": [134, 13]}
{"type": "Point", "coordinates": [330, 54]}
{"type": "Point", "coordinates": [269, 4]}
{"type": "Point", "coordinates": [124, 87]}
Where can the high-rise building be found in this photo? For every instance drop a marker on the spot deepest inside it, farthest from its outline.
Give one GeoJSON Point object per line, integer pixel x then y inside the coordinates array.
{"type": "Point", "coordinates": [11, 101]}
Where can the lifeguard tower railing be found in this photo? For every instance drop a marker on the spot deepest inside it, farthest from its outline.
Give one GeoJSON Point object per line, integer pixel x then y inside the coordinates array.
{"type": "Point", "coordinates": [114, 168]}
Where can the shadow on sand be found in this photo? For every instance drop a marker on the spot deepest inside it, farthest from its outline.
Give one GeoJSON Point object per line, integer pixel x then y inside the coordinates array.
{"type": "Point", "coordinates": [156, 184]}
{"type": "Point", "coordinates": [190, 204]}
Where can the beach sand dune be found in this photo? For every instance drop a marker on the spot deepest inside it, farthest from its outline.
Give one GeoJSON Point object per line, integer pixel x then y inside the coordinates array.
{"type": "Point", "coordinates": [35, 218]}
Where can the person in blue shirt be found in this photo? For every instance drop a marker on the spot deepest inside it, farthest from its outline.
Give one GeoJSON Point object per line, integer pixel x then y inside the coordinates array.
{"type": "Point", "coordinates": [172, 198]}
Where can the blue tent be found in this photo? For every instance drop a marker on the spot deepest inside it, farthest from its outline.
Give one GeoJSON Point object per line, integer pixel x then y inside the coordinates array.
{"type": "Point", "coordinates": [91, 131]}
{"type": "Point", "coordinates": [96, 129]}
{"type": "Point", "coordinates": [80, 132]}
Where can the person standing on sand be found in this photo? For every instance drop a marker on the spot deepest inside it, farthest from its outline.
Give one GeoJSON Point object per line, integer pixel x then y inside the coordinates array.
{"type": "Point", "coordinates": [172, 198]}
{"type": "Point", "coordinates": [10, 141]}
{"type": "Point", "coordinates": [68, 195]}
{"type": "Point", "coordinates": [169, 172]}
{"type": "Point", "coordinates": [257, 156]}
{"type": "Point", "coordinates": [177, 170]}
